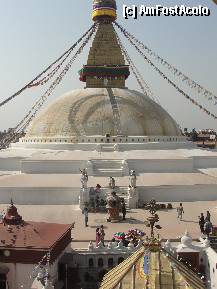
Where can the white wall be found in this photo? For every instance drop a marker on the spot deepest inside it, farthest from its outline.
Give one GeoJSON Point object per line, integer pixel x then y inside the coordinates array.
{"type": "Point", "coordinates": [52, 166]}
{"type": "Point", "coordinates": [39, 196]}
{"type": "Point", "coordinates": [70, 196]}
{"type": "Point", "coordinates": [161, 165]}
{"type": "Point", "coordinates": [21, 274]}
{"type": "Point", "coordinates": [211, 262]}
{"type": "Point", "coordinates": [203, 162]}
{"type": "Point", "coordinates": [10, 164]}
{"type": "Point", "coordinates": [179, 193]}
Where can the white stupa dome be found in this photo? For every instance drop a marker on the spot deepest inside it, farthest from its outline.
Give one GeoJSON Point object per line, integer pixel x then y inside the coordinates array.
{"type": "Point", "coordinates": [89, 112]}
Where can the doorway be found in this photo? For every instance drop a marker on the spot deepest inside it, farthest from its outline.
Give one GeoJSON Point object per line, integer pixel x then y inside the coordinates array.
{"type": "Point", "coordinates": [3, 281]}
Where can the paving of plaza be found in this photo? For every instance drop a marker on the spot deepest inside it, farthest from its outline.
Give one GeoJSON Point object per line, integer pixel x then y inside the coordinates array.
{"type": "Point", "coordinates": [172, 227]}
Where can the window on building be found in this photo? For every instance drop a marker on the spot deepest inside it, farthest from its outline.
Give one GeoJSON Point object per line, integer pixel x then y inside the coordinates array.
{"type": "Point", "coordinates": [91, 264]}
{"type": "Point", "coordinates": [100, 262]}
{"type": "Point", "coordinates": [110, 262]}
{"type": "Point", "coordinates": [3, 281]}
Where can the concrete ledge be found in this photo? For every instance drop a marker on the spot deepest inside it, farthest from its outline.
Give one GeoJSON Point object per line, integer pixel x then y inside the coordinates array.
{"type": "Point", "coordinates": [39, 196]}
{"type": "Point", "coordinates": [180, 193]}
{"type": "Point", "coordinates": [69, 196]}
{"type": "Point", "coordinates": [52, 166]}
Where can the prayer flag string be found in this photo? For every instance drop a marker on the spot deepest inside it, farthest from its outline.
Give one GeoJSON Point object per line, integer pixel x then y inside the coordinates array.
{"type": "Point", "coordinates": [35, 81]}
{"type": "Point", "coordinates": [176, 72]}
{"type": "Point", "coordinates": [166, 78]}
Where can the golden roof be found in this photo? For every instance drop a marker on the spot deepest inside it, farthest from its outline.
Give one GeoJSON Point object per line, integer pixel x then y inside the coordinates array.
{"type": "Point", "coordinates": [164, 272]}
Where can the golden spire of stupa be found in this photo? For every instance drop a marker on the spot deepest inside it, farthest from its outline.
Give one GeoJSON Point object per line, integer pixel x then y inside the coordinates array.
{"type": "Point", "coordinates": [104, 8]}
{"type": "Point", "coordinates": [105, 65]}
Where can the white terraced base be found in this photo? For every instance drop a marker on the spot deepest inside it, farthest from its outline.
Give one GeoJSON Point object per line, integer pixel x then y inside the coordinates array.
{"type": "Point", "coordinates": [37, 176]}
{"type": "Point", "coordinates": [110, 167]}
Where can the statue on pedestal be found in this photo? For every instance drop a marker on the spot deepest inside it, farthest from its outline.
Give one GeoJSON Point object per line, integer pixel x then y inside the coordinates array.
{"type": "Point", "coordinates": [111, 183]}
{"type": "Point", "coordinates": [113, 207]}
{"type": "Point", "coordinates": [84, 178]}
{"type": "Point", "coordinates": [130, 192]}
{"type": "Point", "coordinates": [132, 178]}
{"type": "Point", "coordinates": [84, 194]}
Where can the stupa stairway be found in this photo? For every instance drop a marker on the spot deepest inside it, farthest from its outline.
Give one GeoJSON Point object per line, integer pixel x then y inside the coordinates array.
{"type": "Point", "coordinates": [115, 110]}
{"type": "Point", "coordinates": [109, 167]}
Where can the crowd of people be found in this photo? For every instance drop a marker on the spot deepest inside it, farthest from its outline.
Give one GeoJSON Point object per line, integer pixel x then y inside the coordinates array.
{"type": "Point", "coordinates": [205, 224]}
{"type": "Point", "coordinates": [196, 135]}
{"type": "Point", "coordinates": [180, 211]}
{"type": "Point", "coordinates": [7, 136]}
{"type": "Point", "coordinates": [123, 209]}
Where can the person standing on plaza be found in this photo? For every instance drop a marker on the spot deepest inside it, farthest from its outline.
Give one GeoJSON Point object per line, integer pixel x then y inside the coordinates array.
{"type": "Point", "coordinates": [102, 235]}
{"type": "Point", "coordinates": [180, 211]}
{"type": "Point", "coordinates": [208, 215]}
{"type": "Point", "coordinates": [98, 236]}
{"type": "Point", "coordinates": [85, 212]}
{"type": "Point", "coordinates": [123, 209]}
{"type": "Point", "coordinates": [201, 222]}
{"type": "Point", "coordinates": [207, 227]}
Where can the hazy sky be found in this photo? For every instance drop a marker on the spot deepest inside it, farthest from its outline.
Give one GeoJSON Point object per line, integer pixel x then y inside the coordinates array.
{"type": "Point", "coordinates": [35, 32]}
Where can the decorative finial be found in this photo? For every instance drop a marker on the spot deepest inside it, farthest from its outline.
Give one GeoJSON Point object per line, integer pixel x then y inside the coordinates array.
{"type": "Point", "coordinates": [104, 10]}
{"type": "Point", "coordinates": [12, 217]}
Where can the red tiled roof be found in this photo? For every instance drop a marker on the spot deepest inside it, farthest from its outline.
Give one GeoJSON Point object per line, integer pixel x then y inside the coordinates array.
{"type": "Point", "coordinates": [32, 235]}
